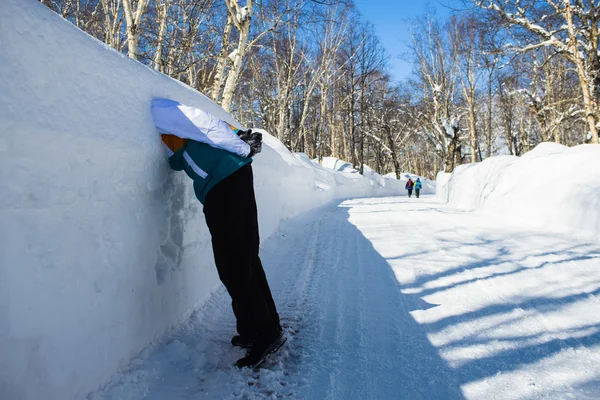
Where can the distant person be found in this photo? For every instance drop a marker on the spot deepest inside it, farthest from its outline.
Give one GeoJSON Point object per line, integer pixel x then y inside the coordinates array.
{"type": "Point", "coordinates": [409, 186]}
{"type": "Point", "coordinates": [418, 186]}
{"type": "Point", "coordinates": [217, 158]}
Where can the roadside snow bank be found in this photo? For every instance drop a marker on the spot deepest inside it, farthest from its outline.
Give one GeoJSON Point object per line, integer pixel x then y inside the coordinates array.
{"type": "Point", "coordinates": [102, 248]}
{"type": "Point", "coordinates": [370, 178]}
{"type": "Point", "coordinates": [552, 185]}
{"type": "Point", "coordinates": [428, 185]}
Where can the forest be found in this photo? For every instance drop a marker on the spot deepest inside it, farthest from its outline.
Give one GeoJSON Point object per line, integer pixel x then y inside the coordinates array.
{"type": "Point", "coordinates": [494, 77]}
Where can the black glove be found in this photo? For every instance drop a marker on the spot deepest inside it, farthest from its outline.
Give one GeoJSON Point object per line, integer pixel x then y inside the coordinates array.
{"type": "Point", "coordinates": [254, 140]}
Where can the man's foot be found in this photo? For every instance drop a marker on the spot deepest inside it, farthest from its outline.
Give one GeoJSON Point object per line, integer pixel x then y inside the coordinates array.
{"type": "Point", "coordinates": [241, 341]}
{"type": "Point", "coordinates": [259, 351]}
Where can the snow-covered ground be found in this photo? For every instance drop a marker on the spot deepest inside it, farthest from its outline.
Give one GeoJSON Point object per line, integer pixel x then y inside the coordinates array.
{"type": "Point", "coordinates": [386, 299]}
{"type": "Point", "coordinates": [102, 248]}
{"type": "Point", "coordinates": [552, 186]}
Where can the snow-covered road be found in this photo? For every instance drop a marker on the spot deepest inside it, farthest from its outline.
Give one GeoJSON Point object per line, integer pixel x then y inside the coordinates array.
{"type": "Point", "coordinates": [397, 298]}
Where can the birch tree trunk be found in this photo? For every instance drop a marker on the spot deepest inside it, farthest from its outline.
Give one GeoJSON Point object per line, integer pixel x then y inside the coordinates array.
{"type": "Point", "coordinates": [490, 101]}
{"type": "Point", "coordinates": [324, 125]}
{"type": "Point", "coordinates": [222, 62]}
{"type": "Point", "coordinates": [133, 19]}
{"type": "Point", "coordinates": [333, 125]}
{"type": "Point", "coordinates": [241, 18]}
{"type": "Point", "coordinates": [287, 69]}
{"type": "Point", "coordinates": [473, 126]}
{"type": "Point", "coordinates": [393, 151]}
{"type": "Point", "coordinates": [112, 22]}
{"type": "Point", "coordinates": [464, 37]}
{"type": "Point", "coordinates": [305, 108]}
{"type": "Point", "coordinates": [162, 12]}
{"type": "Point", "coordinates": [589, 81]}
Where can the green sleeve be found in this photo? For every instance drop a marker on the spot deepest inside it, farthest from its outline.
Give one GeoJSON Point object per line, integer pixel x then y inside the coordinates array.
{"type": "Point", "coordinates": [176, 160]}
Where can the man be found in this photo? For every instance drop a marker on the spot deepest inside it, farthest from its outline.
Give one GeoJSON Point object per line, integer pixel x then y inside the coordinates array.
{"type": "Point", "coordinates": [409, 186]}
{"type": "Point", "coordinates": [418, 186]}
{"type": "Point", "coordinates": [218, 159]}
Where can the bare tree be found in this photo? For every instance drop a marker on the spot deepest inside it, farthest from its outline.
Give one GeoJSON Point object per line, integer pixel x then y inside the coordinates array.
{"type": "Point", "coordinates": [437, 79]}
{"type": "Point", "coordinates": [467, 56]}
{"type": "Point", "coordinates": [546, 96]}
{"type": "Point", "coordinates": [492, 56]}
{"type": "Point", "coordinates": [371, 62]}
{"type": "Point", "coordinates": [571, 29]}
{"type": "Point", "coordinates": [398, 123]}
{"type": "Point", "coordinates": [329, 40]}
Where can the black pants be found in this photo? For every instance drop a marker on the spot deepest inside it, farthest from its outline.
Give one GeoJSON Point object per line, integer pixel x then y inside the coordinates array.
{"type": "Point", "coordinates": [409, 192]}
{"type": "Point", "coordinates": [230, 211]}
{"type": "Point", "coordinates": [417, 192]}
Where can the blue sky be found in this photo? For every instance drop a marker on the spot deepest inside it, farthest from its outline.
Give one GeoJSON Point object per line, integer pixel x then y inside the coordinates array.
{"type": "Point", "coordinates": [389, 18]}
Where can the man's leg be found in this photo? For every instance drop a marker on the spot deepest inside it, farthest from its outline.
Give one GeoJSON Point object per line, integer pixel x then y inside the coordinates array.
{"type": "Point", "coordinates": [259, 273]}
{"type": "Point", "coordinates": [258, 270]}
{"type": "Point", "coordinates": [243, 322]}
{"type": "Point", "coordinates": [230, 211]}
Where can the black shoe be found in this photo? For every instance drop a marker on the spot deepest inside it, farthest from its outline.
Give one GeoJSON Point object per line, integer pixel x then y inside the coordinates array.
{"type": "Point", "coordinates": [259, 351]}
{"type": "Point", "coordinates": [241, 341]}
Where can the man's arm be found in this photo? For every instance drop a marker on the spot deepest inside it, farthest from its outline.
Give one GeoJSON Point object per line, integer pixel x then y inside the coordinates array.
{"type": "Point", "coordinates": [193, 123]}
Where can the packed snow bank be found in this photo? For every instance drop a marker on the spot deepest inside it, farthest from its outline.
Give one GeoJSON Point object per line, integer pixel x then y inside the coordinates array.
{"type": "Point", "coordinates": [370, 178]}
{"type": "Point", "coordinates": [428, 185]}
{"type": "Point", "coordinates": [102, 248]}
{"type": "Point", "coordinates": [552, 185]}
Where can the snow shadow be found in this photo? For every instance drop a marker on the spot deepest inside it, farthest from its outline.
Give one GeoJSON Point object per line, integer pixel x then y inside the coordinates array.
{"type": "Point", "coordinates": [519, 312]}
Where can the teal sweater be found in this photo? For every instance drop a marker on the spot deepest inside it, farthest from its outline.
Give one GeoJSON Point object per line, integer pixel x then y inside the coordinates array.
{"type": "Point", "coordinates": [206, 165]}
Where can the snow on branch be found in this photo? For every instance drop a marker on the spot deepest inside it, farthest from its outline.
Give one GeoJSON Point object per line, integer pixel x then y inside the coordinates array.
{"type": "Point", "coordinates": [379, 141]}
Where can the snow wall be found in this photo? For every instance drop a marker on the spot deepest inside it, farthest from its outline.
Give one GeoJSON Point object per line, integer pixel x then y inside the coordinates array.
{"type": "Point", "coordinates": [553, 186]}
{"type": "Point", "coordinates": [102, 248]}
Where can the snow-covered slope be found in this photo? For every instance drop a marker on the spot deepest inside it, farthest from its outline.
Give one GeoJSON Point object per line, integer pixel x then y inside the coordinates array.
{"type": "Point", "coordinates": [552, 185]}
{"type": "Point", "coordinates": [102, 248]}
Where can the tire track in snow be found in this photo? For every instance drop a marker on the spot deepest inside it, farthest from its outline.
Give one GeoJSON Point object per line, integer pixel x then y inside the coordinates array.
{"type": "Point", "coordinates": [364, 342]}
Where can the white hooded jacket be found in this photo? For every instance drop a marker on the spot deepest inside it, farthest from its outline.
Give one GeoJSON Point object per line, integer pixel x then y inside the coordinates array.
{"type": "Point", "coordinates": [187, 122]}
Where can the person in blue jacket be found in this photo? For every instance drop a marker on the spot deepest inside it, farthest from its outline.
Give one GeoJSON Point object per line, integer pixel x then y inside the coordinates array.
{"type": "Point", "coordinates": [218, 159]}
{"type": "Point", "coordinates": [418, 186]}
